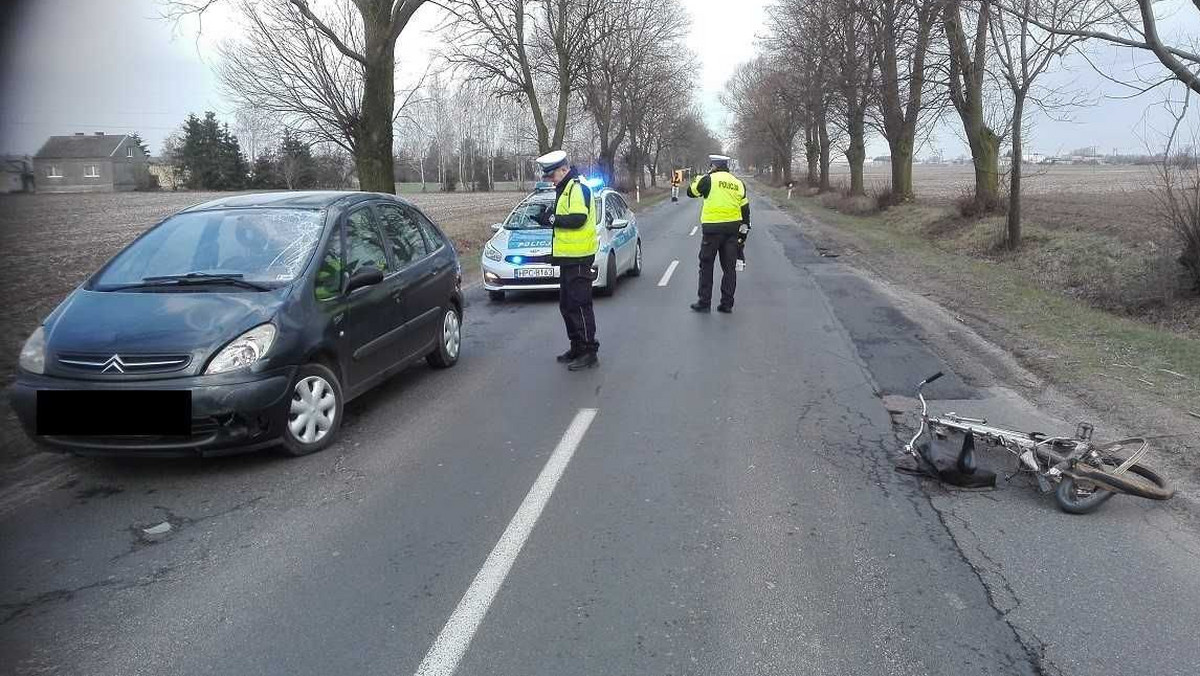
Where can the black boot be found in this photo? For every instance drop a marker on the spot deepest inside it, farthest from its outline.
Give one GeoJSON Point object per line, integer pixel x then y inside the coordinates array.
{"type": "Point", "coordinates": [700, 307]}
{"type": "Point", "coordinates": [586, 360]}
{"type": "Point", "coordinates": [570, 355]}
{"type": "Point", "coordinates": [725, 308]}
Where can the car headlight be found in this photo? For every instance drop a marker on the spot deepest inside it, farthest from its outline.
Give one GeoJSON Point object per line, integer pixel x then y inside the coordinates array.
{"type": "Point", "coordinates": [33, 353]}
{"type": "Point", "coordinates": [245, 350]}
{"type": "Point", "coordinates": [492, 253]}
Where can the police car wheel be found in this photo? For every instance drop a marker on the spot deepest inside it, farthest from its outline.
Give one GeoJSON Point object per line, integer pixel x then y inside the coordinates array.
{"type": "Point", "coordinates": [610, 278]}
{"type": "Point", "coordinates": [496, 295]}
{"type": "Point", "coordinates": [636, 270]}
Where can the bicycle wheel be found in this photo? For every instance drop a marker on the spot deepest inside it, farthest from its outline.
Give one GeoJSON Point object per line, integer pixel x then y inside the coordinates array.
{"type": "Point", "coordinates": [1092, 484]}
{"type": "Point", "coordinates": [1080, 497]}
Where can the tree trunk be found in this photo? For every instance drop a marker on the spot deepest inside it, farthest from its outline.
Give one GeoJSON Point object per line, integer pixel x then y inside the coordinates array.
{"type": "Point", "coordinates": [812, 153]}
{"type": "Point", "coordinates": [825, 144]}
{"type": "Point", "coordinates": [422, 173]}
{"type": "Point", "coordinates": [373, 135]}
{"type": "Point", "coordinates": [902, 166]}
{"type": "Point", "coordinates": [1014, 191]}
{"type": "Point", "coordinates": [985, 154]}
{"type": "Point", "coordinates": [857, 152]}
{"type": "Point", "coordinates": [776, 172]}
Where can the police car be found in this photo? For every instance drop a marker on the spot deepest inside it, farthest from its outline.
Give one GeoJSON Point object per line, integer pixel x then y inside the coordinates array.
{"type": "Point", "coordinates": [517, 257]}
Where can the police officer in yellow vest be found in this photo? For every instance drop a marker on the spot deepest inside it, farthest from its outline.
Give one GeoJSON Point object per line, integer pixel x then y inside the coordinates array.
{"type": "Point", "coordinates": [725, 221]}
{"type": "Point", "coordinates": [574, 251]}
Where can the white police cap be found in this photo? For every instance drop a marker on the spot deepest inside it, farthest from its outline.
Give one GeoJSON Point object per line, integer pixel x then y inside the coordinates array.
{"type": "Point", "coordinates": [718, 158]}
{"type": "Point", "coordinates": [551, 161]}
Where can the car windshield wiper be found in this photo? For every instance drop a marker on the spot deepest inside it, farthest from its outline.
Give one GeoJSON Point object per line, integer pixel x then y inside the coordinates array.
{"type": "Point", "coordinates": [195, 278]}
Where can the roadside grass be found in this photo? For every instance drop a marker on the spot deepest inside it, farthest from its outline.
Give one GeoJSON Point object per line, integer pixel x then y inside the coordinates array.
{"type": "Point", "coordinates": [1056, 329]}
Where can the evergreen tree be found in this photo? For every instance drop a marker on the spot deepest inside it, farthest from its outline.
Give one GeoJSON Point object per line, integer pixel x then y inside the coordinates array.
{"type": "Point", "coordinates": [137, 138]}
{"type": "Point", "coordinates": [210, 156]}
{"type": "Point", "coordinates": [296, 163]}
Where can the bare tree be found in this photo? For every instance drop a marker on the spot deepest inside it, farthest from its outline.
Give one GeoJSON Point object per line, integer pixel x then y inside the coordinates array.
{"type": "Point", "coordinates": [256, 131]}
{"type": "Point", "coordinates": [1132, 23]}
{"type": "Point", "coordinates": [902, 31]}
{"type": "Point", "coordinates": [767, 102]}
{"type": "Point", "coordinates": [1024, 52]}
{"type": "Point", "coordinates": [967, 77]}
{"type": "Point", "coordinates": [856, 67]}
{"type": "Point", "coordinates": [350, 51]}
{"type": "Point", "coordinates": [518, 45]}
{"type": "Point", "coordinates": [804, 40]}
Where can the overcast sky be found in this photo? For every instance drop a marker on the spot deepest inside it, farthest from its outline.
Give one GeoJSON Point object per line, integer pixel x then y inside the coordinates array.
{"type": "Point", "coordinates": [112, 66]}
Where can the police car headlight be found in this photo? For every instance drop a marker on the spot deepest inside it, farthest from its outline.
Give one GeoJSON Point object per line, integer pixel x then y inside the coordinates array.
{"type": "Point", "coordinates": [245, 350]}
{"type": "Point", "coordinates": [33, 354]}
{"type": "Point", "coordinates": [492, 253]}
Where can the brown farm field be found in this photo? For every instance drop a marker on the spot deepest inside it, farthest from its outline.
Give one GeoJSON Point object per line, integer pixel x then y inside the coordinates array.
{"type": "Point", "coordinates": [50, 243]}
{"type": "Point", "coordinates": [1110, 200]}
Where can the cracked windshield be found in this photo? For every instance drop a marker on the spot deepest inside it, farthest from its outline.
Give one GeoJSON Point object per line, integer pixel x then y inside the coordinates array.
{"type": "Point", "coordinates": [572, 337]}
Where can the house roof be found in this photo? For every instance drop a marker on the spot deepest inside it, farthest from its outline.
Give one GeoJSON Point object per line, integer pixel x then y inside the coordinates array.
{"type": "Point", "coordinates": [80, 147]}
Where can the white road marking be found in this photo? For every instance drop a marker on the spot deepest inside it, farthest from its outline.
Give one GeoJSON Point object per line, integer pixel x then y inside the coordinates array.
{"type": "Point", "coordinates": [451, 644]}
{"type": "Point", "coordinates": [666, 278]}
{"type": "Point", "coordinates": [694, 229]}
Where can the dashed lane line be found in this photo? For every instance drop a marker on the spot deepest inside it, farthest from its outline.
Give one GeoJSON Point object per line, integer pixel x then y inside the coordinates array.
{"type": "Point", "coordinates": [666, 278]}
{"type": "Point", "coordinates": [451, 644]}
{"type": "Point", "coordinates": [694, 229]}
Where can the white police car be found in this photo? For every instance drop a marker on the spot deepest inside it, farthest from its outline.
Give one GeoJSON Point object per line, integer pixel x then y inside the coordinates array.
{"type": "Point", "coordinates": [517, 257]}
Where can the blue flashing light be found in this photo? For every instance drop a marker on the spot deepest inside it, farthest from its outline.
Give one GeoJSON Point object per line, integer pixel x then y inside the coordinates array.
{"type": "Point", "coordinates": [518, 259]}
{"type": "Point", "coordinates": [594, 182]}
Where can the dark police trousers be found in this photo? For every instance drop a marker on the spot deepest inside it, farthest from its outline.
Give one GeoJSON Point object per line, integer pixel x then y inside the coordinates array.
{"type": "Point", "coordinates": [725, 246]}
{"type": "Point", "coordinates": [575, 302]}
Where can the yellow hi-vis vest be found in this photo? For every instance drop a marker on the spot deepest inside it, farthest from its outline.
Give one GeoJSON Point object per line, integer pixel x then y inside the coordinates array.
{"type": "Point", "coordinates": [579, 242]}
{"type": "Point", "coordinates": [726, 196]}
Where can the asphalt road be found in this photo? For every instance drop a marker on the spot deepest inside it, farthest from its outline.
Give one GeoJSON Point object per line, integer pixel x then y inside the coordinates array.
{"type": "Point", "coordinates": [717, 498]}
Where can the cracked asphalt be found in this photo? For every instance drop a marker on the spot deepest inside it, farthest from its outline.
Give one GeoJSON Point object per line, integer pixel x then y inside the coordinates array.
{"type": "Point", "coordinates": [733, 509]}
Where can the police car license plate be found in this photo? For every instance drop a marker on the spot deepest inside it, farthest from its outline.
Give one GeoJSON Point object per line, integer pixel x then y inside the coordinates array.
{"type": "Point", "coordinates": [536, 272]}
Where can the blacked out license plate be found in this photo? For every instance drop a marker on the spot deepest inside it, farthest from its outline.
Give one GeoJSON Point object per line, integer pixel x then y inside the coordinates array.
{"type": "Point", "coordinates": [114, 412]}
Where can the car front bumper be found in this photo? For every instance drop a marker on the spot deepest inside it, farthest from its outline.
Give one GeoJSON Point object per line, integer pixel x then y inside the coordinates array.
{"type": "Point", "coordinates": [228, 416]}
{"type": "Point", "coordinates": [502, 276]}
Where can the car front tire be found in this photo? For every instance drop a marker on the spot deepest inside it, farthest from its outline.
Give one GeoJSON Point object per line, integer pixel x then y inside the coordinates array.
{"type": "Point", "coordinates": [449, 344]}
{"type": "Point", "coordinates": [314, 412]}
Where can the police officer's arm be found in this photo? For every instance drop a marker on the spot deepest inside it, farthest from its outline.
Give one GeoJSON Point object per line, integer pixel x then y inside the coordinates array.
{"type": "Point", "coordinates": [578, 196]}
{"type": "Point", "coordinates": [745, 213]}
{"type": "Point", "coordinates": [700, 186]}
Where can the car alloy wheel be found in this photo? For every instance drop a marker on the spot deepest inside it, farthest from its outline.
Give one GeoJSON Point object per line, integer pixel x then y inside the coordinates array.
{"type": "Point", "coordinates": [313, 411]}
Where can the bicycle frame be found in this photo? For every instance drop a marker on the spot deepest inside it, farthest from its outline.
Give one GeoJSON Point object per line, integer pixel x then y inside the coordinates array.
{"type": "Point", "coordinates": [1030, 448]}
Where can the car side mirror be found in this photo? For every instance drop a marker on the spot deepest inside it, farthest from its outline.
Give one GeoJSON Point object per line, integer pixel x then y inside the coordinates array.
{"type": "Point", "coordinates": [496, 227]}
{"type": "Point", "coordinates": [618, 223]}
{"type": "Point", "coordinates": [365, 277]}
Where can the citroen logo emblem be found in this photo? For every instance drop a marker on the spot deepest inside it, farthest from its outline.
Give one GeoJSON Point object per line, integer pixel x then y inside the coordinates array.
{"type": "Point", "coordinates": [114, 363]}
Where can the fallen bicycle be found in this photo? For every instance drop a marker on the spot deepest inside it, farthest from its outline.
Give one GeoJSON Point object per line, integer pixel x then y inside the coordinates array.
{"type": "Point", "coordinates": [1083, 475]}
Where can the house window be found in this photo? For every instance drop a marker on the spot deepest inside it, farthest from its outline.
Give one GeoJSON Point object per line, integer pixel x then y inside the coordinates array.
{"type": "Point", "coordinates": [54, 171]}
{"type": "Point", "coordinates": [91, 171]}
{"type": "Point", "coordinates": [129, 151]}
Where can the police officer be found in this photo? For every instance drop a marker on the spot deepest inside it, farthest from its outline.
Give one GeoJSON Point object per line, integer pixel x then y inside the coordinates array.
{"type": "Point", "coordinates": [725, 221]}
{"type": "Point", "coordinates": [676, 179]}
{"type": "Point", "coordinates": [574, 252]}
